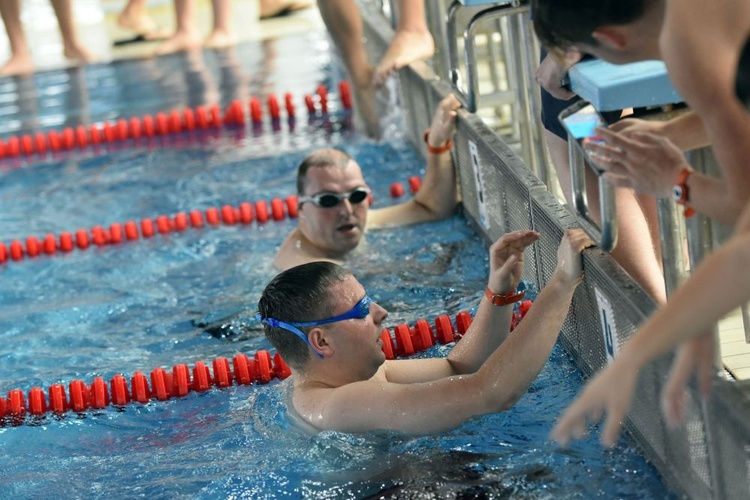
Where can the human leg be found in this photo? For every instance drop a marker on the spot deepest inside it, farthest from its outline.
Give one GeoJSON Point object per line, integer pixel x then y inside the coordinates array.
{"type": "Point", "coordinates": [222, 35]}
{"type": "Point", "coordinates": [72, 47]}
{"type": "Point", "coordinates": [20, 56]}
{"type": "Point", "coordinates": [186, 35]}
{"type": "Point", "coordinates": [411, 42]}
{"type": "Point", "coordinates": [344, 23]}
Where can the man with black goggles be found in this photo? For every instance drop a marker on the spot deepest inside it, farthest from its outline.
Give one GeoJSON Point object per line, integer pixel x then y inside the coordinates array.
{"type": "Point", "coordinates": [334, 198]}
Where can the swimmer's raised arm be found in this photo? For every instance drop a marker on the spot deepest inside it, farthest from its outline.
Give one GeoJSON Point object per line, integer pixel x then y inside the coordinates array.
{"type": "Point", "coordinates": [491, 324]}
{"type": "Point", "coordinates": [438, 196]}
{"type": "Point", "coordinates": [447, 402]}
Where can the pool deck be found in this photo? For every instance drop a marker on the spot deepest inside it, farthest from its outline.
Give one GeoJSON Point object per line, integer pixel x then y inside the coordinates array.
{"type": "Point", "coordinates": [97, 27]}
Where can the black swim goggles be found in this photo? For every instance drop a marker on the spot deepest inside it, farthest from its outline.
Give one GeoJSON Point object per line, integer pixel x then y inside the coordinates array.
{"type": "Point", "coordinates": [360, 311]}
{"type": "Point", "coordinates": [328, 199]}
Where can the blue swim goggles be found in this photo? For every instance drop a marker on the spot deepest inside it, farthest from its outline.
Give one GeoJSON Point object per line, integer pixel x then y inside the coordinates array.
{"type": "Point", "coordinates": [360, 311]}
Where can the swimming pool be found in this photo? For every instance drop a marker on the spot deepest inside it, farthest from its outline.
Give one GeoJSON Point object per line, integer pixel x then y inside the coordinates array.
{"type": "Point", "coordinates": [149, 303]}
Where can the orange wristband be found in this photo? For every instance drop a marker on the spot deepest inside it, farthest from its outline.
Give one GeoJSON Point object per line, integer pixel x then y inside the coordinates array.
{"type": "Point", "coordinates": [504, 299]}
{"type": "Point", "coordinates": [681, 193]}
{"type": "Point", "coordinates": [439, 150]}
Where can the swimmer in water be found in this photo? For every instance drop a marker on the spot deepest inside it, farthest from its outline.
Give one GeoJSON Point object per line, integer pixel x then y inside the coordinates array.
{"type": "Point", "coordinates": [320, 319]}
{"type": "Point", "coordinates": [334, 214]}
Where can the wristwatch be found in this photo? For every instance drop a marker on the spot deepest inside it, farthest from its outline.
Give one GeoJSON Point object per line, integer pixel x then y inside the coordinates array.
{"type": "Point", "coordinates": [681, 192]}
{"type": "Point", "coordinates": [503, 299]}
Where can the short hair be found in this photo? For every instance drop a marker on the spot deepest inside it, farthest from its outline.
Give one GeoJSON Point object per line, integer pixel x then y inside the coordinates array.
{"type": "Point", "coordinates": [561, 24]}
{"type": "Point", "coordinates": [320, 158]}
{"type": "Point", "coordinates": [300, 293]}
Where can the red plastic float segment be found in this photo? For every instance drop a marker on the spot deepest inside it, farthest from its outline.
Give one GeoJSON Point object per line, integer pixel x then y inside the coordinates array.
{"type": "Point", "coordinates": [246, 213]}
{"type": "Point", "coordinates": [58, 401]}
{"type": "Point", "coordinates": [82, 239]}
{"type": "Point", "coordinates": [292, 206]}
{"type": "Point", "coordinates": [27, 145]}
{"type": "Point", "coordinates": [37, 401]}
{"type": "Point", "coordinates": [82, 136]}
{"type": "Point", "coordinates": [118, 388]}
{"type": "Point", "coordinates": [109, 132]}
{"type": "Point", "coordinates": [175, 122]}
{"type": "Point", "coordinates": [310, 103]}
{"type": "Point", "coordinates": [196, 218]}
{"type": "Point", "coordinates": [162, 224]}
{"type": "Point", "coordinates": [289, 104]}
{"type": "Point", "coordinates": [149, 127]}
{"type": "Point", "coordinates": [261, 211]}
{"type": "Point", "coordinates": [68, 138]}
{"type": "Point", "coordinates": [95, 135]}
{"type": "Point", "coordinates": [244, 369]}
{"type": "Point", "coordinates": [404, 346]}
{"type": "Point", "coordinates": [345, 93]}
{"type": "Point", "coordinates": [463, 321]}
{"type": "Point", "coordinates": [189, 118]}
{"type": "Point", "coordinates": [139, 389]}
{"type": "Point", "coordinates": [98, 394]}
{"type": "Point", "coordinates": [263, 363]}
{"type": "Point", "coordinates": [180, 221]}
{"type": "Point", "coordinates": [49, 244]}
{"type": "Point", "coordinates": [238, 114]}
{"type": "Point", "coordinates": [13, 146]}
{"type": "Point", "coordinates": [147, 228]}
{"type": "Point", "coordinates": [280, 369]}
{"type": "Point", "coordinates": [159, 385]}
{"type": "Point", "coordinates": [222, 373]}
{"type": "Point", "coordinates": [212, 216]}
{"type": "Point", "coordinates": [415, 183]}
{"type": "Point", "coordinates": [201, 117]}
{"type": "Point", "coordinates": [131, 230]}
{"type": "Point", "coordinates": [3, 252]}
{"type": "Point", "coordinates": [227, 214]}
{"type": "Point", "coordinates": [78, 396]}
{"type": "Point", "coordinates": [273, 107]}
{"type": "Point", "coordinates": [40, 142]}
{"type": "Point", "coordinates": [388, 347]}
{"type": "Point", "coordinates": [180, 380]}
{"type": "Point", "coordinates": [256, 113]}
{"type": "Point", "coordinates": [277, 209]}
{"type": "Point", "coordinates": [322, 92]}
{"type": "Point", "coordinates": [397, 190]}
{"type": "Point", "coordinates": [33, 246]}
{"type": "Point", "coordinates": [423, 334]}
{"type": "Point", "coordinates": [115, 232]}
{"type": "Point", "coordinates": [99, 236]}
{"type": "Point", "coordinates": [201, 377]}
{"type": "Point", "coordinates": [66, 242]}
{"type": "Point", "coordinates": [121, 129]}
{"type": "Point", "coordinates": [162, 124]}
{"type": "Point", "coordinates": [444, 329]}
{"type": "Point", "coordinates": [136, 127]}
{"type": "Point", "coordinates": [16, 250]}
{"type": "Point", "coordinates": [54, 140]}
{"type": "Point", "coordinates": [214, 116]}
{"type": "Point", "coordinates": [16, 403]}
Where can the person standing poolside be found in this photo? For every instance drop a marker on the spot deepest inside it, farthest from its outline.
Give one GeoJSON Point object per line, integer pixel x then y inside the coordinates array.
{"type": "Point", "coordinates": [334, 213]}
{"type": "Point", "coordinates": [320, 319]}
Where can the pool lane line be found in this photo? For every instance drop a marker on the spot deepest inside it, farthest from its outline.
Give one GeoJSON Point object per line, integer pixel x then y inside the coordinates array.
{"type": "Point", "coordinates": [163, 124]}
{"type": "Point", "coordinates": [181, 380]}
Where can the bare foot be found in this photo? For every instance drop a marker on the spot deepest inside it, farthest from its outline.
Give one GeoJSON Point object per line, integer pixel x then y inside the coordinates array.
{"type": "Point", "coordinates": [220, 40]}
{"type": "Point", "coordinates": [406, 47]}
{"type": "Point", "coordinates": [17, 65]}
{"type": "Point", "coordinates": [77, 53]}
{"type": "Point", "coordinates": [178, 42]}
{"type": "Point", "coordinates": [141, 24]}
{"type": "Point", "coordinates": [273, 8]}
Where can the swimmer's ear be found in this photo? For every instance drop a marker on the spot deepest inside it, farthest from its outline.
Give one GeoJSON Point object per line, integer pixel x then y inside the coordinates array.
{"type": "Point", "coordinates": [612, 37]}
{"type": "Point", "coordinates": [319, 341]}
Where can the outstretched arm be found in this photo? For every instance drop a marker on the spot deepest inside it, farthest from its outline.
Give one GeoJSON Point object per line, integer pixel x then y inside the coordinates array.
{"type": "Point", "coordinates": [719, 284]}
{"type": "Point", "coordinates": [445, 403]}
{"type": "Point", "coordinates": [437, 198]}
{"type": "Point", "coordinates": [491, 324]}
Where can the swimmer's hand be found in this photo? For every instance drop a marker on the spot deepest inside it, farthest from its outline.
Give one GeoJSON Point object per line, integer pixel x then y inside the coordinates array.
{"type": "Point", "coordinates": [610, 393]}
{"type": "Point", "coordinates": [506, 260]}
{"type": "Point", "coordinates": [569, 261]}
{"type": "Point", "coordinates": [443, 126]}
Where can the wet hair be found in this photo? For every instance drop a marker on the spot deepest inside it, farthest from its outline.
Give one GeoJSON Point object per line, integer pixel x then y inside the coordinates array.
{"type": "Point", "coordinates": [562, 24]}
{"type": "Point", "coordinates": [298, 294]}
{"type": "Point", "coordinates": [321, 158]}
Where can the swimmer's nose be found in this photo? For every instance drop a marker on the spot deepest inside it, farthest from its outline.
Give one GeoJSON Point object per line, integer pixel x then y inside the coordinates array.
{"type": "Point", "coordinates": [378, 312]}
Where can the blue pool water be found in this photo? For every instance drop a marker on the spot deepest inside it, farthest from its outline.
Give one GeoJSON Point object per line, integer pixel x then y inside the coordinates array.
{"type": "Point", "coordinates": [176, 299]}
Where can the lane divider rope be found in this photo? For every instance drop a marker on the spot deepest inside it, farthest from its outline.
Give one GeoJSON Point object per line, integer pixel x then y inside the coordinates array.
{"type": "Point", "coordinates": [20, 408]}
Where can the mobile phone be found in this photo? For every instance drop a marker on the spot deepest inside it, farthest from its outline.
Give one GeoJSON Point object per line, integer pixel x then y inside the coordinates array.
{"type": "Point", "coordinates": [580, 121]}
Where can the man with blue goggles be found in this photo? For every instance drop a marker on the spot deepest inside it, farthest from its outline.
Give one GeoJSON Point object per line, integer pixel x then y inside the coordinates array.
{"type": "Point", "coordinates": [334, 198]}
{"type": "Point", "coordinates": [341, 380]}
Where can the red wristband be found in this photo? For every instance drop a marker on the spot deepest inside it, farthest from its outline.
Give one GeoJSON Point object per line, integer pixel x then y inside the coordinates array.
{"type": "Point", "coordinates": [439, 150]}
{"type": "Point", "coordinates": [681, 193]}
{"type": "Point", "coordinates": [504, 299]}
